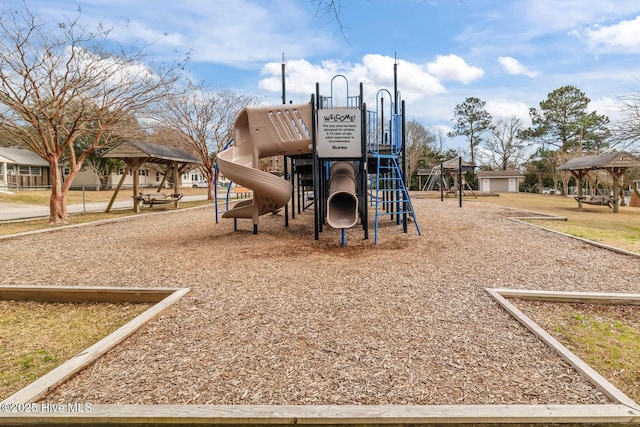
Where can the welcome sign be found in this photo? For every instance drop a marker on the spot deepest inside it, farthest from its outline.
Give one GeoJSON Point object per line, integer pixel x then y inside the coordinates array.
{"type": "Point", "coordinates": [339, 133]}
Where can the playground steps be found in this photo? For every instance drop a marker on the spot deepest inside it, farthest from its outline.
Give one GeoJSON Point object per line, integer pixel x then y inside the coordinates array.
{"type": "Point", "coordinates": [391, 197]}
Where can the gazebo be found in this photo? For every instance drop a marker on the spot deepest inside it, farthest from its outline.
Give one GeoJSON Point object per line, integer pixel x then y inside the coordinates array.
{"type": "Point", "coordinates": [136, 153]}
{"type": "Point", "coordinates": [616, 163]}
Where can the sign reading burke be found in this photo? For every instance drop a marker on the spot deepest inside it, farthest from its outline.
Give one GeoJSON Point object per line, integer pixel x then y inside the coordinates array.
{"type": "Point", "coordinates": [339, 133]}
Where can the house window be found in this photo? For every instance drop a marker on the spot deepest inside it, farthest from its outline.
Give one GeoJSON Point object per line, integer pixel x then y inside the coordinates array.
{"type": "Point", "coordinates": [11, 170]}
{"type": "Point", "coordinates": [157, 176]}
{"type": "Point", "coordinates": [30, 170]}
{"type": "Point", "coordinates": [142, 172]}
{"type": "Point", "coordinates": [66, 171]}
{"type": "Point", "coordinates": [120, 171]}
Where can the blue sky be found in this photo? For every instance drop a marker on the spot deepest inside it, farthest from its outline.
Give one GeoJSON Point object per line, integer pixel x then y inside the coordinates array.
{"type": "Point", "coordinates": [510, 54]}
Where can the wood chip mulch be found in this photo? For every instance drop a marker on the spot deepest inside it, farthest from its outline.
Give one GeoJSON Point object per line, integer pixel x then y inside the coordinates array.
{"type": "Point", "coordinates": [279, 318]}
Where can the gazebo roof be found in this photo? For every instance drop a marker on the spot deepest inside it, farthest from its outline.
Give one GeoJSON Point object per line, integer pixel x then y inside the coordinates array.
{"type": "Point", "coordinates": [614, 159]}
{"type": "Point", "coordinates": [154, 153]}
{"type": "Point", "coordinates": [452, 165]}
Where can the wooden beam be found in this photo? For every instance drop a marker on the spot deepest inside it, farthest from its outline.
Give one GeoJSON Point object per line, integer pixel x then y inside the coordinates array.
{"type": "Point", "coordinates": [177, 179]}
{"type": "Point", "coordinates": [115, 193]}
{"type": "Point", "coordinates": [331, 415]}
{"type": "Point", "coordinates": [585, 370]}
{"type": "Point", "coordinates": [572, 297]}
{"type": "Point", "coordinates": [83, 294]}
{"type": "Point", "coordinates": [582, 239]}
{"type": "Point", "coordinates": [38, 389]}
{"type": "Point", "coordinates": [135, 164]}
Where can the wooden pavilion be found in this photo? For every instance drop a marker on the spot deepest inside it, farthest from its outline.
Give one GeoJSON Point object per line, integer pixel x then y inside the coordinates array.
{"type": "Point", "coordinates": [135, 154]}
{"type": "Point", "coordinates": [616, 163]}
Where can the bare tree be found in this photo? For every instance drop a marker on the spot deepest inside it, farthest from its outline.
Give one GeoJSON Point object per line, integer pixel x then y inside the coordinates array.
{"type": "Point", "coordinates": [330, 9]}
{"type": "Point", "coordinates": [626, 132]}
{"type": "Point", "coordinates": [420, 141]}
{"type": "Point", "coordinates": [506, 148]}
{"type": "Point", "coordinates": [204, 120]}
{"type": "Point", "coordinates": [60, 82]}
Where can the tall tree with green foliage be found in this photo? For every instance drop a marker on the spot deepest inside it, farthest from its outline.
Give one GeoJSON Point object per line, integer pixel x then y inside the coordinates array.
{"type": "Point", "coordinates": [563, 123]}
{"type": "Point", "coordinates": [471, 121]}
{"type": "Point", "coordinates": [564, 128]}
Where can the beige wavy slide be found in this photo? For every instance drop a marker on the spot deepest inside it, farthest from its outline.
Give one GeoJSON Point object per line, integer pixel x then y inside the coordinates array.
{"type": "Point", "coordinates": [264, 132]}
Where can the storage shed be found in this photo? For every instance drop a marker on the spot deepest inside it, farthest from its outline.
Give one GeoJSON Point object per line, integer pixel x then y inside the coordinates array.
{"type": "Point", "coordinates": [499, 181]}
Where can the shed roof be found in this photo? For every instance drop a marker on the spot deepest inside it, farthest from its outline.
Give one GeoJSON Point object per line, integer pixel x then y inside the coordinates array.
{"type": "Point", "coordinates": [155, 153]}
{"type": "Point", "coordinates": [511, 173]}
{"type": "Point", "coordinates": [21, 156]}
{"type": "Point", "coordinates": [614, 159]}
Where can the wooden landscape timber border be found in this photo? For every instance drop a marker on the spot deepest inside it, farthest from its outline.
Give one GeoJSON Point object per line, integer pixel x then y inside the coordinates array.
{"type": "Point", "coordinates": [602, 384]}
{"type": "Point", "coordinates": [524, 220]}
{"type": "Point", "coordinates": [162, 297]}
{"type": "Point", "coordinates": [623, 411]}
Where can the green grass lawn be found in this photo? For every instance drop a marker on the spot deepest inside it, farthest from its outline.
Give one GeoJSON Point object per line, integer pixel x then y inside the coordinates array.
{"type": "Point", "coordinates": [597, 223]}
{"type": "Point", "coordinates": [606, 337]}
{"type": "Point", "coordinates": [36, 337]}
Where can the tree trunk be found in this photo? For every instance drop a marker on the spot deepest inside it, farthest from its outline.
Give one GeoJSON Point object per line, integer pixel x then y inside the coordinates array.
{"type": "Point", "coordinates": [210, 176]}
{"type": "Point", "coordinates": [58, 201]}
{"type": "Point", "coordinates": [565, 184]}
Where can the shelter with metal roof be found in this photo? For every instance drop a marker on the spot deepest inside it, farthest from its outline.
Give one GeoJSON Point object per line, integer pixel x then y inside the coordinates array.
{"type": "Point", "coordinates": [616, 163]}
{"type": "Point", "coordinates": [135, 153]}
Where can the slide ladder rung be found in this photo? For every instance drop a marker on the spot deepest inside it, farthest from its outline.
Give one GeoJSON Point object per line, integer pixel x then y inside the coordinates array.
{"type": "Point", "coordinates": [398, 183]}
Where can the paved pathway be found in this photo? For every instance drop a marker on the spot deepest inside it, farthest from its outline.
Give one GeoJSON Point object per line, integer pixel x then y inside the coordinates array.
{"type": "Point", "coordinates": [20, 211]}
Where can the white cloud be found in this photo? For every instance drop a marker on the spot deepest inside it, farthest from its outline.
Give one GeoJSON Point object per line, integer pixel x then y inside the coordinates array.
{"type": "Point", "coordinates": [414, 79]}
{"type": "Point", "coordinates": [374, 71]}
{"type": "Point", "coordinates": [608, 106]}
{"type": "Point", "coordinates": [452, 67]}
{"type": "Point", "coordinates": [547, 16]}
{"type": "Point", "coordinates": [513, 66]}
{"type": "Point", "coordinates": [620, 37]}
{"type": "Point", "coordinates": [507, 109]}
{"type": "Point", "coordinates": [235, 33]}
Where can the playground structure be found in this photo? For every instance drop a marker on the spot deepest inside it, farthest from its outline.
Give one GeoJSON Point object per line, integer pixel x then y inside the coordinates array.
{"type": "Point", "coordinates": [343, 159]}
{"type": "Point", "coordinates": [451, 171]}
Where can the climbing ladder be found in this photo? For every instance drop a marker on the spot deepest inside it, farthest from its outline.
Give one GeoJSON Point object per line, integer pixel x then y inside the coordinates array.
{"type": "Point", "coordinates": [392, 196]}
{"type": "Point", "coordinates": [384, 146]}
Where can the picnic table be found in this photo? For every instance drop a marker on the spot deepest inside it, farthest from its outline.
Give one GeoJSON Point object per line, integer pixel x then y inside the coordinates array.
{"type": "Point", "coordinates": [157, 198]}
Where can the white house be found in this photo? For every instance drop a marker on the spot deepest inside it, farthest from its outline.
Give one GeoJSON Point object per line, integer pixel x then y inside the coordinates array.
{"type": "Point", "coordinates": [499, 181]}
{"type": "Point", "coordinates": [20, 168]}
